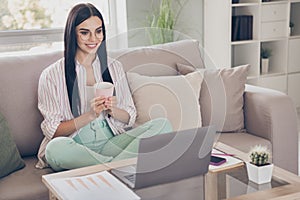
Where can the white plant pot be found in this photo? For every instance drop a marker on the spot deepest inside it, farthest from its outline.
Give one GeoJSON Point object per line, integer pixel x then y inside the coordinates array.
{"type": "Point", "coordinates": [259, 175]}
{"type": "Point", "coordinates": [264, 65]}
{"type": "Point", "coordinates": [290, 31]}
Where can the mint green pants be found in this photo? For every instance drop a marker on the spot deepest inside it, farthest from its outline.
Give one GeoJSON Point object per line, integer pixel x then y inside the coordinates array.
{"type": "Point", "coordinates": [96, 144]}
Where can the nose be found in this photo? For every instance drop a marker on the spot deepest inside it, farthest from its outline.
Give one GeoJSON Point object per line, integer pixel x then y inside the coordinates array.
{"type": "Point", "coordinates": [92, 37]}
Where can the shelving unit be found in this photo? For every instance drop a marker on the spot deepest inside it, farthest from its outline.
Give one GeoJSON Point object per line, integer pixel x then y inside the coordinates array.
{"type": "Point", "coordinates": [270, 29]}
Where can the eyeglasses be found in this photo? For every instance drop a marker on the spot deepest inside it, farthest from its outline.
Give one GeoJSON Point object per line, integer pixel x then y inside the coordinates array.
{"type": "Point", "coordinates": [86, 34]}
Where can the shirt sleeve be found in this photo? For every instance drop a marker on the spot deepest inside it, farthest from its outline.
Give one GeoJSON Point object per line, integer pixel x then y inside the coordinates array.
{"type": "Point", "coordinates": [48, 103]}
{"type": "Point", "coordinates": [123, 96]}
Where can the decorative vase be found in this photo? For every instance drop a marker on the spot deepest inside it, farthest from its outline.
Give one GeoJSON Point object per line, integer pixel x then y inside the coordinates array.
{"type": "Point", "coordinates": [259, 174]}
{"type": "Point", "coordinates": [290, 31]}
{"type": "Point", "coordinates": [264, 65]}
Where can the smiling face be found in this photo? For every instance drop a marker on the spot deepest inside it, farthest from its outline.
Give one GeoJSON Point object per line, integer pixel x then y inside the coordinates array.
{"type": "Point", "coordinates": [89, 35]}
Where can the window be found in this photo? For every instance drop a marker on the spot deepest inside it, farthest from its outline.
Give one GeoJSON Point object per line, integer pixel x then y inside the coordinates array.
{"type": "Point", "coordinates": [28, 25]}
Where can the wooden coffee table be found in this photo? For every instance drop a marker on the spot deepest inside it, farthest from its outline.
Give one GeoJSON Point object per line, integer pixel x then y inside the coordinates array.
{"type": "Point", "coordinates": [230, 183]}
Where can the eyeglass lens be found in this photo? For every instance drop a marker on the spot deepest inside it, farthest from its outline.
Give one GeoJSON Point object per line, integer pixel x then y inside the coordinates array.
{"type": "Point", "coordinates": [86, 34]}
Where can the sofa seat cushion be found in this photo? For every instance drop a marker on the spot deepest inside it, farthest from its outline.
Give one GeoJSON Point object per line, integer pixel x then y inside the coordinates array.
{"type": "Point", "coordinates": [25, 184]}
{"type": "Point", "coordinates": [244, 141]}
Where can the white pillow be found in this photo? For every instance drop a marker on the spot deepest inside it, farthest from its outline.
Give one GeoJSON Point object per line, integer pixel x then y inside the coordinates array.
{"type": "Point", "coordinates": [173, 97]}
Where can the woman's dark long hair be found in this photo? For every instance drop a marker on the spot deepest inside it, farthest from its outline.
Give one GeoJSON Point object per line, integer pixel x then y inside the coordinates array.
{"type": "Point", "coordinates": [77, 15]}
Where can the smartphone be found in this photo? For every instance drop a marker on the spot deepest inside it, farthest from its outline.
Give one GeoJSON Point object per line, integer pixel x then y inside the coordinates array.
{"type": "Point", "coordinates": [216, 161]}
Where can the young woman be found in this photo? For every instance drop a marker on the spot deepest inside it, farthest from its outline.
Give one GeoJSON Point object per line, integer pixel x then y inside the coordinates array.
{"type": "Point", "coordinates": [81, 130]}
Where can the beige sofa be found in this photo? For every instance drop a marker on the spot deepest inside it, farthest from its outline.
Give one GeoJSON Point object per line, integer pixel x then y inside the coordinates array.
{"type": "Point", "coordinates": [269, 116]}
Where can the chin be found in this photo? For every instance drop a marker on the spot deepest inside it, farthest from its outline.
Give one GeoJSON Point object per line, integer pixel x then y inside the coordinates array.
{"type": "Point", "coordinates": [92, 51]}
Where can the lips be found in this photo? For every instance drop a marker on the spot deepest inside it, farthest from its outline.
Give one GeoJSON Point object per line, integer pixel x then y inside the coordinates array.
{"type": "Point", "coordinates": [91, 45]}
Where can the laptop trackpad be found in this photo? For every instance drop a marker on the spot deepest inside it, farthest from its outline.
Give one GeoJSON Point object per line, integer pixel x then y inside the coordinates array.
{"type": "Point", "coordinates": [126, 174]}
{"type": "Point", "coordinates": [131, 169]}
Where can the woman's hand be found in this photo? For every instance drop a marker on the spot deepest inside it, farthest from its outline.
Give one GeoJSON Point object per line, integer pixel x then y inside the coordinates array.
{"type": "Point", "coordinates": [117, 113]}
{"type": "Point", "coordinates": [98, 105]}
{"type": "Point", "coordinates": [111, 105]}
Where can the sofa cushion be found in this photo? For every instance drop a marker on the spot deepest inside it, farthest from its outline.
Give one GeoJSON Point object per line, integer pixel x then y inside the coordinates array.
{"type": "Point", "coordinates": [221, 96]}
{"type": "Point", "coordinates": [19, 82]}
{"type": "Point", "coordinates": [25, 184]}
{"type": "Point", "coordinates": [172, 97]}
{"type": "Point", "coordinates": [10, 159]}
{"type": "Point", "coordinates": [142, 59]}
{"type": "Point", "coordinates": [244, 141]}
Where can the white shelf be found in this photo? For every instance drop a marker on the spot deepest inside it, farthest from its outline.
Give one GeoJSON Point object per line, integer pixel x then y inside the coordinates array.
{"type": "Point", "coordinates": [244, 4]}
{"type": "Point", "coordinates": [273, 2]}
{"type": "Point", "coordinates": [273, 39]}
{"type": "Point", "coordinates": [244, 42]}
{"type": "Point", "coordinates": [294, 37]}
{"type": "Point", "coordinates": [270, 74]}
{"type": "Point", "coordinates": [270, 28]}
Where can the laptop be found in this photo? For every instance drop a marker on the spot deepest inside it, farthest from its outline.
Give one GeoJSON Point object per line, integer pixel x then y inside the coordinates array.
{"type": "Point", "coordinates": [169, 157]}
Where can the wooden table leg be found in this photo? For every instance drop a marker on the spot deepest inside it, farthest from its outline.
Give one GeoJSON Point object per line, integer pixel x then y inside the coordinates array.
{"type": "Point", "coordinates": [52, 196]}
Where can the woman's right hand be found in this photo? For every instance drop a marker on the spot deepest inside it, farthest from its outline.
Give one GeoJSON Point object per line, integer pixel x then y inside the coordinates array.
{"type": "Point", "coordinates": [97, 105]}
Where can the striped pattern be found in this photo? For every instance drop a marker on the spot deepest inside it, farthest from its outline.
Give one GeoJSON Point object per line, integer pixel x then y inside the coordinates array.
{"type": "Point", "coordinates": [54, 104]}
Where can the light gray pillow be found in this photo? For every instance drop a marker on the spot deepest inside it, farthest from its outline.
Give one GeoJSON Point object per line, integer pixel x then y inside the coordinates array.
{"type": "Point", "coordinates": [10, 159]}
{"type": "Point", "coordinates": [173, 97]}
{"type": "Point", "coordinates": [221, 96]}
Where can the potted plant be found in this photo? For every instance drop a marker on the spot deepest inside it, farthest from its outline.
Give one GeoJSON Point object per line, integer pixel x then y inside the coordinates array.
{"type": "Point", "coordinates": [162, 21]}
{"type": "Point", "coordinates": [265, 54]}
{"type": "Point", "coordinates": [259, 168]}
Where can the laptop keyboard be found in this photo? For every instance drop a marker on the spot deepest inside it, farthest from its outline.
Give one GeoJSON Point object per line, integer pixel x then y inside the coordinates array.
{"type": "Point", "coordinates": [130, 177]}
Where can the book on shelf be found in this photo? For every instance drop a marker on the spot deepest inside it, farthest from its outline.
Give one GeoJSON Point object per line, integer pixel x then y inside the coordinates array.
{"type": "Point", "coordinates": [242, 27]}
{"type": "Point", "coordinates": [102, 185]}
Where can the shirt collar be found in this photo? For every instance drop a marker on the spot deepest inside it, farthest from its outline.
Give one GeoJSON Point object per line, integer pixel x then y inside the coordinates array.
{"type": "Point", "coordinates": [96, 68]}
{"type": "Point", "coordinates": [95, 63]}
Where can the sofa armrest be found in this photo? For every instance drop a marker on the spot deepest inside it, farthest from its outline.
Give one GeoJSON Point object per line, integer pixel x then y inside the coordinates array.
{"type": "Point", "coordinates": [272, 115]}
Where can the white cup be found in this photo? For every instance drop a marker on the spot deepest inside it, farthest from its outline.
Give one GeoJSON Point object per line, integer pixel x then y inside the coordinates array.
{"type": "Point", "coordinates": [105, 89]}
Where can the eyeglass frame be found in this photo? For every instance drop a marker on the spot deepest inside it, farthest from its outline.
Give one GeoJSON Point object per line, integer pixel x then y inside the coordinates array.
{"type": "Point", "coordinates": [89, 33]}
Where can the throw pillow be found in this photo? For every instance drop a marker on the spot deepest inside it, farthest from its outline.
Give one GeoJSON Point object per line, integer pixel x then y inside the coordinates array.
{"type": "Point", "coordinates": [10, 159]}
{"type": "Point", "coordinates": [221, 96]}
{"type": "Point", "coordinates": [172, 97]}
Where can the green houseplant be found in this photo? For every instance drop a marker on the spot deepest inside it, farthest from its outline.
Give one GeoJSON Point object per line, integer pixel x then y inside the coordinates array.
{"type": "Point", "coordinates": [265, 52]}
{"type": "Point", "coordinates": [161, 21]}
{"type": "Point", "coordinates": [259, 168]}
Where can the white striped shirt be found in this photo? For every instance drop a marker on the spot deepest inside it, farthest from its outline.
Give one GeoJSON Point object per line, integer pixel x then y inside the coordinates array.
{"type": "Point", "coordinates": [54, 105]}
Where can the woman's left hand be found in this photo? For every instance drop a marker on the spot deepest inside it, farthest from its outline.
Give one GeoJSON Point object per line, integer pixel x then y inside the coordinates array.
{"type": "Point", "coordinates": [110, 104]}
{"type": "Point", "coordinates": [111, 108]}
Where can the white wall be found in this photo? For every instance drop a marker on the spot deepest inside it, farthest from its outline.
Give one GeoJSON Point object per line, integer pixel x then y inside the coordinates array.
{"type": "Point", "coordinates": [190, 21]}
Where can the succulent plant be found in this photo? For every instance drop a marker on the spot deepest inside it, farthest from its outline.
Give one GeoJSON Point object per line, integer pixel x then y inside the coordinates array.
{"type": "Point", "coordinates": [259, 155]}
